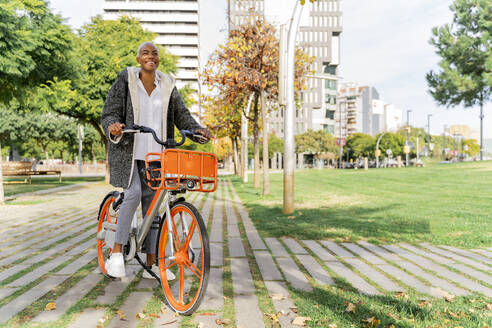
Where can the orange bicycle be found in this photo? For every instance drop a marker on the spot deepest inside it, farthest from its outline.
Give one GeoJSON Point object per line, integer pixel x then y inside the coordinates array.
{"type": "Point", "coordinates": [182, 243]}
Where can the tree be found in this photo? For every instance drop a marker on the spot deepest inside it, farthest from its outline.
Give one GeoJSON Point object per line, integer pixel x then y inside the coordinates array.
{"type": "Point", "coordinates": [104, 48]}
{"type": "Point", "coordinates": [360, 145]}
{"type": "Point", "coordinates": [248, 64]}
{"type": "Point", "coordinates": [465, 48]}
{"type": "Point", "coordinates": [317, 143]}
{"type": "Point", "coordinates": [393, 141]}
{"type": "Point", "coordinates": [470, 147]}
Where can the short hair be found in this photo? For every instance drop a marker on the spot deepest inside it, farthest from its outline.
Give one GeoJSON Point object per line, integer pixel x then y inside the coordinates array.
{"type": "Point", "coordinates": [143, 45]}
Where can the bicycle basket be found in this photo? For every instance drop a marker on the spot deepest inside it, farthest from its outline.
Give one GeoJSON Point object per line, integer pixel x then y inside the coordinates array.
{"type": "Point", "coordinates": [177, 165]}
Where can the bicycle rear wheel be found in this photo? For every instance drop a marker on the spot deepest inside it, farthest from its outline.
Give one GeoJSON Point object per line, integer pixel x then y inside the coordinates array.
{"type": "Point", "coordinates": [106, 214]}
{"type": "Point", "coordinates": [191, 262]}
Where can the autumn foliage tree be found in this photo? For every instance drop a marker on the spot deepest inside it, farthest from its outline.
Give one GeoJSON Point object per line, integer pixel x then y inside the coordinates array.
{"type": "Point", "coordinates": [248, 63]}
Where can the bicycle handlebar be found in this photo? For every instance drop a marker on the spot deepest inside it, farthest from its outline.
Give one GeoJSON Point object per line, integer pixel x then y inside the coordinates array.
{"type": "Point", "coordinates": [170, 143]}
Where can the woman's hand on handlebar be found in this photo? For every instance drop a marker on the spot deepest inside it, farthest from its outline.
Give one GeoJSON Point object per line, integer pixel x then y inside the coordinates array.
{"type": "Point", "coordinates": [116, 129]}
{"type": "Point", "coordinates": [205, 134]}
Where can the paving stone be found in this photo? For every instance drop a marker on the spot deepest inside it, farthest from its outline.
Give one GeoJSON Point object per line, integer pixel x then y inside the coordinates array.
{"type": "Point", "coordinates": [38, 272]}
{"type": "Point", "coordinates": [167, 320]}
{"type": "Point", "coordinates": [214, 297]}
{"type": "Point", "coordinates": [72, 296]}
{"type": "Point", "coordinates": [339, 251]}
{"type": "Point", "coordinates": [432, 256]}
{"type": "Point", "coordinates": [294, 246]}
{"type": "Point", "coordinates": [232, 229]}
{"type": "Point", "coordinates": [472, 273]}
{"type": "Point", "coordinates": [360, 284]}
{"type": "Point", "coordinates": [88, 318]}
{"type": "Point", "coordinates": [456, 257]}
{"type": "Point", "coordinates": [440, 270]}
{"type": "Point", "coordinates": [321, 252]}
{"type": "Point", "coordinates": [114, 289]}
{"type": "Point", "coordinates": [15, 257]}
{"type": "Point", "coordinates": [134, 304]}
{"type": "Point", "coordinates": [433, 280]}
{"type": "Point", "coordinates": [236, 248]}
{"type": "Point", "coordinates": [405, 278]}
{"type": "Point", "coordinates": [13, 270]}
{"type": "Point", "coordinates": [283, 305]}
{"type": "Point", "coordinates": [267, 267]}
{"type": "Point", "coordinates": [254, 239]}
{"type": "Point", "coordinates": [368, 256]}
{"type": "Point", "coordinates": [7, 291]}
{"type": "Point", "coordinates": [483, 252]}
{"type": "Point", "coordinates": [78, 263]}
{"type": "Point", "coordinates": [21, 302]}
{"type": "Point", "coordinates": [82, 247]}
{"type": "Point", "coordinates": [293, 274]}
{"type": "Point", "coordinates": [276, 247]}
{"type": "Point", "coordinates": [73, 232]}
{"type": "Point", "coordinates": [248, 313]}
{"type": "Point", "coordinates": [216, 229]}
{"type": "Point", "coordinates": [372, 274]}
{"type": "Point", "coordinates": [147, 283]}
{"type": "Point", "coordinates": [207, 206]}
{"type": "Point", "coordinates": [380, 251]}
{"type": "Point", "coordinates": [468, 254]}
{"type": "Point", "coordinates": [242, 281]}
{"type": "Point", "coordinates": [315, 270]}
{"type": "Point", "coordinates": [216, 256]}
{"type": "Point", "coordinates": [207, 321]}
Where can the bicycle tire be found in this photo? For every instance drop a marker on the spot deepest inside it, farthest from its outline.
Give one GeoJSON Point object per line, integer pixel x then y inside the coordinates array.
{"type": "Point", "coordinates": [198, 270]}
{"type": "Point", "coordinates": [105, 214]}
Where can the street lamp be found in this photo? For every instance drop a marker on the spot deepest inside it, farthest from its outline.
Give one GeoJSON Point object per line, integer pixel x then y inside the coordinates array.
{"type": "Point", "coordinates": [408, 138]}
{"type": "Point", "coordinates": [429, 129]}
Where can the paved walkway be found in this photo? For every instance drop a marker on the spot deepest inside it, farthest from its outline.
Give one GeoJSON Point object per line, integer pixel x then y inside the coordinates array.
{"type": "Point", "coordinates": [48, 255]}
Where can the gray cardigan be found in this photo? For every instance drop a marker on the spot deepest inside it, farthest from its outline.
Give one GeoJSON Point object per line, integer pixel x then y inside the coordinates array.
{"type": "Point", "coordinates": [121, 106]}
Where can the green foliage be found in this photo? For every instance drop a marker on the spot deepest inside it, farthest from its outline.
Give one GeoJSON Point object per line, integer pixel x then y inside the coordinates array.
{"type": "Point", "coordinates": [35, 47]}
{"type": "Point", "coordinates": [465, 48]}
{"type": "Point", "coordinates": [393, 141]}
{"type": "Point", "coordinates": [360, 145]}
{"type": "Point", "coordinates": [187, 93]}
{"type": "Point", "coordinates": [471, 147]}
{"type": "Point", "coordinates": [315, 142]}
{"type": "Point", "coordinates": [104, 49]}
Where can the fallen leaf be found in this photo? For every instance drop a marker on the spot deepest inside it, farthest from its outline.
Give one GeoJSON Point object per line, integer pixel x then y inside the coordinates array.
{"type": "Point", "coordinates": [489, 306]}
{"type": "Point", "coordinates": [294, 309]}
{"type": "Point", "coordinates": [332, 325]}
{"type": "Point", "coordinates": [168, 323]}
{"type": "Point", "coordinates": [291, 217]}
{"type": "Point", "coordinates": [350, 307]}
{"type": "Point", "coordinates": [471, 310]}
{"type": "Point", "coordinates": [401, 295]}
{"type": "Point", "coordinates": [423, 303]}
{"type": "Point", "coordinates": [454, 315]}
{"type": "Point", "coordinates": [50, 306]}
{"type": "Point", "coordinates": [300, 321]}
{"type": "Point", "coordinates": [372, 321]}
{"type": "Point", "coordinates": [176, 314]}
{"type": "Point", "coordinates": [163, 309]}
{"type": "Point", "coordinates": [140, 315]}
{"type": "Point", "coordinates": [473, 300]}
{"type": "Point", "coordinates": [153, 315]}
{"type": "Point", "coordinates": [200, 325]}
{"type": "Point", "coordinates": [448, 297]}
{"type": "Point", "coordinates": [278, 297]}
{"type": "Point", "coordinates": [207, 313]}
{"type": "Point", "coordinates": [274, 317]}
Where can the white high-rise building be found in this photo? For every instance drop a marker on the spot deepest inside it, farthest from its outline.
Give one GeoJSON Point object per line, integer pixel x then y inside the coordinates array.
{"type": "Point", "coordinates": [177, 26]}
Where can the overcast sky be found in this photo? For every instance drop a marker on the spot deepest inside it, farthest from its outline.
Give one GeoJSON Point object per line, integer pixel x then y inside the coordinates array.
{"type": "Point", "coordinates": [384, 44]}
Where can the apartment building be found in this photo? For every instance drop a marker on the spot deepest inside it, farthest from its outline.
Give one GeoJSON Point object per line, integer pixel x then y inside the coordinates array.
{"type": "Point", "coordinates": [177, 24]}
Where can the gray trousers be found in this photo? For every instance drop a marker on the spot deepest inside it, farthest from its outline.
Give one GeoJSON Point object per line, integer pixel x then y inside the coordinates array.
{"type": "Point", "coordinates": [136, 193]}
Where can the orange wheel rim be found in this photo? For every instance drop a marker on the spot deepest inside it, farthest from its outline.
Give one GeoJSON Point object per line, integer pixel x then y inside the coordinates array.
{"type": "Point", "coordinates": [181, 261]}
{"type": "Point", "coordinates": [101, 243]}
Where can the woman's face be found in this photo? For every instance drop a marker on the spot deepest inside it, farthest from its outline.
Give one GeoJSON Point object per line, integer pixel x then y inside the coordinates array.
{"type": "Point", "coordinates": [148, 57]}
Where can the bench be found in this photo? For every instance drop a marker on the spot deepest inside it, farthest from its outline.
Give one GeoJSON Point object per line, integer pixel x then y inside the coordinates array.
{"type": "Point", "coordinates": [25, 169]}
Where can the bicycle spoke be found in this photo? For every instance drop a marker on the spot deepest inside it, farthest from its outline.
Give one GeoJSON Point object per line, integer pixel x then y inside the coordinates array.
{"type": "Point", "coordinates": [170, 265]}
{"type": "Point", "coordinates": [194, 269]}
{"type": "Point", "coordinates": [190, 234]}
{"type": "Point", "coordinates": [181, 284]}
{"type": "Point", "coordinates": [175, 231]}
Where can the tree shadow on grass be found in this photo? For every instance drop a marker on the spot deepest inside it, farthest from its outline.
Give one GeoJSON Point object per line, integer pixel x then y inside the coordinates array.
{"type": "Point", "coordinates": [347, 222]}
{"type": "Point", "coordinates": [328, 305]}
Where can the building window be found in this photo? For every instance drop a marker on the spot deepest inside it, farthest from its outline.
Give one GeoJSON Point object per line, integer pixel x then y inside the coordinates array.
{"type": "Point", "coordinates": [330, 114]}
{"type": "Point", "coordinates": [331, 84]}
{"type": "Point", "coordinates": [329, 128]}
{"type": "Point", "coordinates": [330, 99]}
{"type": "Point", "coordinates": [329, 69]}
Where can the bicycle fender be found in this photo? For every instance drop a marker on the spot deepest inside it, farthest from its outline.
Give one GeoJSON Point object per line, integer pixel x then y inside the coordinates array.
{"type": "Point", "coordinates": [110, 194]}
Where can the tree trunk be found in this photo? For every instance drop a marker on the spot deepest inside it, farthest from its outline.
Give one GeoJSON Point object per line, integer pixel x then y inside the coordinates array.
{"type": "Point", "coordinates": [2, 196]}
{"type": "Point", "coordinates": [266, 177]}
{"type": "Point", "coordinates": [235, 156]}
{"type": "Point", "coordinates": [93, 155]}
{"type": "Point", "coordinates": [244, 148]}
{"type": "Point", "coordinates": [256, 144]}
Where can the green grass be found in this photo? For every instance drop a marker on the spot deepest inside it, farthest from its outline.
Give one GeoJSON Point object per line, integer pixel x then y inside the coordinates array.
{"type": "Point", "coordinates": [441, 204]}
{"type": "Point", "coordinates": [41, 184]}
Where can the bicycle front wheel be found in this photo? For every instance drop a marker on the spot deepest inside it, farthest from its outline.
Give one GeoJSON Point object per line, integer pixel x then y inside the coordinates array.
{"type": "Point", "coordinates": [190, 262]}
{"type": "Point", "coordinates": [106, 214]}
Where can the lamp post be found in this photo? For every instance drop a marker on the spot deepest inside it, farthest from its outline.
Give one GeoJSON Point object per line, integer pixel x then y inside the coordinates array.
{"type": "Point", "coordinates": [429, 130]}
{"type": "Point", "coordinates": [289, 117]}
{"type": "Point", "coordinates": [377, 149]}
{"type": "Point", "coordinates": [408, 138]}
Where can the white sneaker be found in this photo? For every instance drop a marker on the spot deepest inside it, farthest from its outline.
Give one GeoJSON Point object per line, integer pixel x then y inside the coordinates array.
{"type": "Point", "coordinates": [115, 265]}
{"type": "Point", "coordinates": [155, 269]}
